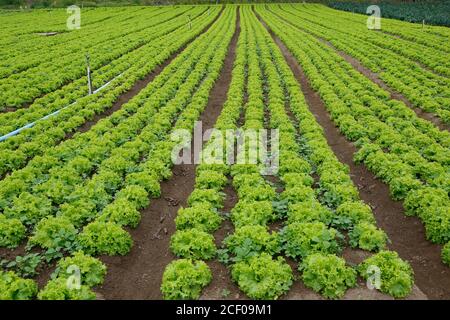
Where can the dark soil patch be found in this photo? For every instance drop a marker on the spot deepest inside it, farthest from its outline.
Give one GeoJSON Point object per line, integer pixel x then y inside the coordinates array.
{"type": "Point", "coordinates": [222, 287]}
{"type": "Point", "coordinates": [44, 270]}
{"type": "Point", "coordinates": [138, 275]}
{"type": "Point", "coordinates": [406, 233]}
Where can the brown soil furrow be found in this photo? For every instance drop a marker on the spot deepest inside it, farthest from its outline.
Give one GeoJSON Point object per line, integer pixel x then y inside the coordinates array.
{"type": "Point", "coordinates": [374, 77]}
{"type": "Point", "coordinates": [406, 233]}
{"type": "Point", "coordinates": [138, 275]}
{"type": "Point", "coordinates": [222, 287]}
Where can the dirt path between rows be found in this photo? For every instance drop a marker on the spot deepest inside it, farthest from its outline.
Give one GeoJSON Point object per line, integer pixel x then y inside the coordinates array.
{"type": "Point", "coordinates": [138, 275]}
{"type": "Point", "coordinates": [407, 234]}
{"type": "Point", "coordinates": [374, 77]}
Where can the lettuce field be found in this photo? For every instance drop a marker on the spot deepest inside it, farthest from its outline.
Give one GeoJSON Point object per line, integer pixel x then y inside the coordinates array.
{"type": "Point", "coordinates": [98, 106]}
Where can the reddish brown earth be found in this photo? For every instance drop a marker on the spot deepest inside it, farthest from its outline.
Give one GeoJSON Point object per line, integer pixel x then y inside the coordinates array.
{"type": "Point", "coordinates": [407, 234]}
{"type": "Point", "coordinates": [138, 275]}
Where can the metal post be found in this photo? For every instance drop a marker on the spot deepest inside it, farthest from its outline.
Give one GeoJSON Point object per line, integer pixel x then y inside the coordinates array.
{"type": "Point", "coordinates": [190, 23]}
{"type": "Point", "coordinates": [423, 23]}
{"type": "Point", "coordinates": [88, 66]}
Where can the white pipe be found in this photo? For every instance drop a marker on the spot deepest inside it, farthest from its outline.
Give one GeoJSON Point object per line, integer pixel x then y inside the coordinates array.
{"type": "Point", "coordinates": [30, 125]}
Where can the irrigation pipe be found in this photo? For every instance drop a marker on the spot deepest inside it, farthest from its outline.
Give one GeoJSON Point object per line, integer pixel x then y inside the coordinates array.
{"type": "Point", "coordinates": [31, 124]}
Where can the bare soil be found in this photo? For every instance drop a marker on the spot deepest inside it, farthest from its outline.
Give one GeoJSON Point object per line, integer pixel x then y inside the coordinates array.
{"type": "Point", "coordinates": [407, 234]}
{"type": "Point", "coordinates": [138, 275]}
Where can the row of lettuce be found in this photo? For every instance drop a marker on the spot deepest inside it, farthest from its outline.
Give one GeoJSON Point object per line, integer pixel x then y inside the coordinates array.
{"type": "Point", "coordinates": [90, 214]}
{"type": "Point", "coordinates": [41, 49]}
{"type": "Point", "coordinates": [408, 153]}
{"type": "Point", "coordinates": [422, 87]}
{"type": "Point", "coordinates": [52, 67]}
{"type": "Point", "coordinates": [20, 150]}
{"type": "Point", "coordinates": [316, 215]}
{"type": "Point", "coordinates": [430, 36]}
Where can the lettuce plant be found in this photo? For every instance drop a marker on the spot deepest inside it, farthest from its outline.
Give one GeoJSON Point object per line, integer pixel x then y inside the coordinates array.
{"type": "Point", "coordinates": [296, 165]}
{"type": "Point", "coordinates": [302, 239]}
{"type": "Point", "coordinates": [29, 208]}
{"type": "Point", "coordinates": [351, 213]}
{"type": "Point", "coordinates": [262, 277]}
{"type": "Point", "coordinates": [367, 236]}
{"type": "Point", "coordinates": [252, 213]}
{"type": "Point", "coordinates": [222, 168]}
{"type": "Point", "coordinates": [248, 241]}
{"type": "Point", "coordinates": [309, 211]}
{"type": "Point", "coordinates": [437, 224]}
{"type": "Point", "coordinates": [134, 194]}
{"type": "Point", "coordinates": [396, 275]}
{"type": "Point", "coordinates": [58, 289]}
{"type": "Point", "coordinates": [12, 287]}
{"type": "Point", "coordinates": [247, 180]}
{"type": "Point", "coordinates": [79, 211]}
{"type": "Point", "coordinates": [104, 238]}
{"type": "Point", "coordinates": [12, 232]}
{"type": "Point", "coordinates": [184, 279]}
{"type": "Point", "coordinates": [327, 274]}
{"type": "Point", "coordinates": [296, 179]}
{"type": "Point", "coordinates": [298, 194]}
{"type": "Point", "coordinates": [259, 193]}
{"type": "Point", "coordinates": [148, 181]}
{"type": "Point", "coordinates": [208, 179]}
{"type": "Point", "coordinates": [211, 196]}
{"type": "Point", "coordinates": [92, 270]}
{"type": "Point", "coordinates": [122, 212]}
{"type": "Point", "coordinates": [201, 216]}
{"type": "Point", "coordinates": [239, 169]}
{"type": "Point", "coordinates": [423, 201]}
{"type": "Point", "coordinates": [193, 243]}
{"type": "Point", "coordinates": [53, 233]}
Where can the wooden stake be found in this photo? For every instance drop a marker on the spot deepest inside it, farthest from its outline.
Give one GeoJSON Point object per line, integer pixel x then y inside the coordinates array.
{"type": "Point", "coordinates": [88, 69]}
